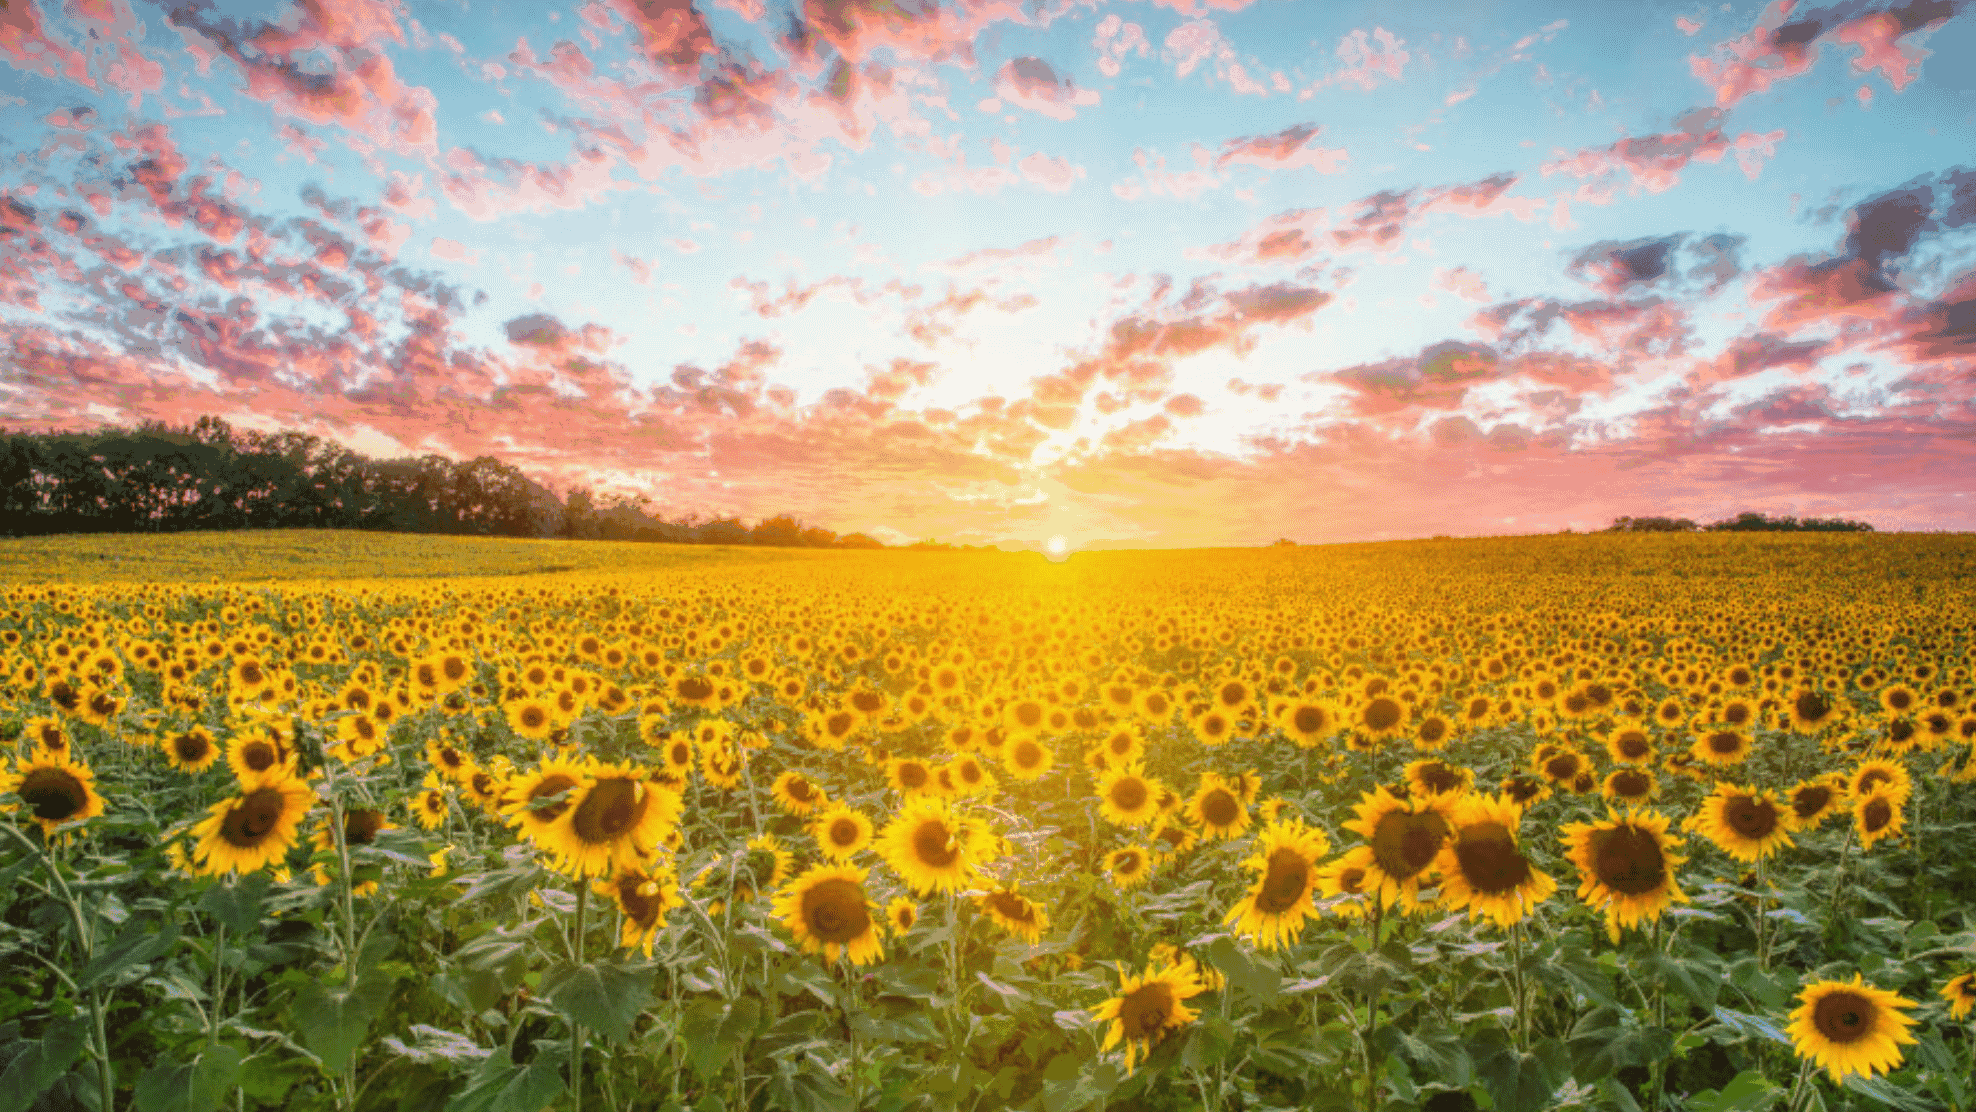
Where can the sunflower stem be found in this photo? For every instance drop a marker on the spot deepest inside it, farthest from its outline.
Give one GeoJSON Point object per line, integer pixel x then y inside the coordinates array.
{"type": "Point", "coordinates": [1798, 1086]}
{"type": "Point", "coordinates": [349, 906]}
{"type": "Point", "coordinates": [1372, 1020]}
{"type": "Point", "coordinates": [219, 987]}
{"type": "Point", "coordinates": [86, 942]}
{"type": "Point", "coordinates": [576, 1031]}
{"type": "Point", "coordinates": [1521, 1030]}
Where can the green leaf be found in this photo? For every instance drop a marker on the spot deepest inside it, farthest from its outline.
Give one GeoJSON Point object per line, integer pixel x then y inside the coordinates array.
{"type": "Point", "coordinates": [195, 1086]}
{"type": "Point", "coordinates": [499, 1085]}
{"type": "Point", "coordinates": [1432, 1049]}
{"type": "Point", "coordinates": [707, 1055]}
{"type": "Point", "coordinates": [437, 1048]}
{"type": "Point", "coordinates": [1694, 980]}
{"type": "Point", "coordinates": [134, 947]}
{"type": "Point", "coordinates": [1517, 1081]}
{"type": "Point", "coordinates": [41, 1062]}
{"type": "Point", "coordinates": [805, 1085]}
{"type": "Point", "coordinates": [1746, 1092]}
{"type": "Point", "coordinates": [493, 965]}
{"type": "Point", "coordinates": [1753, 1026]}
{"type": "Point", "coordinates": [1262, 983]}
{"type": "Point", "coordinates": [1884, 1091]}
{"type": "Point", "coordinates": [332, 1021]}
{"type": "Point", "coordinates": [237, 906]}
{"type": "Point", "coordinates": [602, 995]}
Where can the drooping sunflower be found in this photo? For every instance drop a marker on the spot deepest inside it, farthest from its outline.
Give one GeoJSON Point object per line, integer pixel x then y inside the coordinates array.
{"type": "Point", "coordinates": [1850, 1027]}
{"type": "Point", "coordinates": [1880, 775]}
{"type": "Point", "coordinates": [1342, 883]}
{"type": "Point", "coordinates": [256, 827]}
{"type": "Point", "coordinates": [1722, 746]}
{"type": "Point", "coordinates": [1626, 866]}
{"type": "Point", "coordinates": [1405, 837]}
{"type": "Point", "coordinates": [1809, 710]}
{"type": "Point", "coordinates": [1749, 824]}
{"type": "Point", "coordinates": [900, 915]}
{"type": "Point", "coordinates": [644, 896]}
{"type": "Point", "coordinates": [192, 750]}
{"type": "Point", "coordinates": [827, 912]}
{"type": "Point", "coordinates": [1877, 815]}
{"type": "Point", "coordinates": [1127, 797]}
{"type": "Point", "coordinates": [1813, 801]}
{"type": "Point", "coordinates": [1027, 758]}
{"type": "Point", "coordinates": [1960, 992]}
{"type": "Point", "coordinates": [616, 820]}
{"type": "Point", "coordinates": [1560, 766]}
{"type": "Point", "coordinates": [765, 863]}
{"type": "Point", "coordinates": [796, 795]}
{"type": "Point", "coordinates": [1147, 1007]}
{"type": "Point", "coordinates": [1128, 866]}
{"type": "Point", "coordinates": [1015, 913]}
{"type": "Point", "coordinates": [1216, 808]}
{"type": "Point", "coordinates": [1630, 787]}
{"type": "Point", "coordinates": [1524, 789]}
{"type": "Point", "coordinates": [929, 846]}
{"type": "Point", "coordinates": [56, 787]}
{"type": "Point", "coordinates": [1286, 856]}
{"type": "Point", "coordinates": [841, 832]}
{"type": "Point", "coordinates": [430, 804]}
{"type": "Point", "coordinates": [1482, 867]}
{"type": "Point", "coordinates": [1172, 839]}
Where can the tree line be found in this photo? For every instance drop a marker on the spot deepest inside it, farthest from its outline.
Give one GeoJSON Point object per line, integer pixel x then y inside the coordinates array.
{"type": "Point", "coordinates": [1745, 522]}
{"type": "Point", "coordinates": [160, 478]}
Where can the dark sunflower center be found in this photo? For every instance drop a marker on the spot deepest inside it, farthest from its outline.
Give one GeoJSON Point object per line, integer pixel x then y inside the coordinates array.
{"type": "Point", "coordinates": [1877, 814]}
{"type": "Point", "coordinates": [1284, 882]}
{"type": "Point", "coordinates": [933, 845]}
{"type": "Point", "coordinates": [1724, 743]}
{"type": "Point", "coordinates": [1308, 720]}
{"type": "Point", "coordinates": [843, 832]}
{"type": "Point", "coordinates": [1405, 844]}
{"type": "Point", "coordinates": [1028, 715]}
{"type": "Point", "coordinates": [1633, 746]}
{"type": "Point", "coordinates": [1173, 836]}
{"type": "Point", "coordinates": [1146, 1011]}
{"type": "Point", "coordinates": [532, 717]}
{"type": "Point", "coordinates": [1811, 706]}
{"type": "Point", "coordinates": [834, 910]}
{"type": "Point", "coordinates": [258, 755]}
{"type": "Point", "coordinates": [1220, 808]}
{"type": "Point", "coordinates": [912, 775]}
{"type": "Point", "coordinates": [1522, 789]}
{"type": "Point", "coordinates": [1352, 881]}
{"type": "Point", "coordinates": [1631, 784]}
{"type": "Point", "coordinates": [1439, 778]}
{"type": "Point", "coordinates": [840, 723]}
{"type": "Point", "coordinates": [1628, 860]}
{"type": "Point", "coordinates": [1382, 714]}
{"type": "Point", "coordinates": [1129, 794]}
{"type": "Point", "coordinates": [360, 826]}
{"type": "Point", "coordinates": [1752, 818]}
{"type": "Point", "coordinates": [190, 748]}
{"type": "Point", "coordinates": [1028, 754]}
{"type": "Point", "coordinates": [609, 810]}
{"type": "Point", "coordinates": [970, 772]}
{"type": "Point", "coordinates": [694, 688]}
{"type": "Point", "coordinates": [1433, 730]}
{"type": "Point", "coordinates": [1843, 1017]}
{"type": "Point", "coordinates": [1872, 778]}
{"type": "Point", "coordinates": [1808, 801]}
{"type": "Point", "coordinates": [1011, 906]}
{"type": "Point", "coordinates": [799, 790]}
{"type": "Point", "coordinates": [553, 784]}
{"type": "Point", "coordinates": [249, 822]}
{"type": "Point", "coordinates": [867, 702]}
{"type": "Point", "coordinates": [1564, 766]}
{"type": "Point", "coordinates": [54, 794]}
{"type": "Point", "coordinates": [1736, 714]}
{"type": "Point", "coordinates": [1127, 862]}
{"type": "Point", "coordinates": [1489, 858]}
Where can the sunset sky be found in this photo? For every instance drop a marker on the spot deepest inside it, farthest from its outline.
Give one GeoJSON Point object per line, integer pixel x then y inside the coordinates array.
{"type": "Point", "coordinates": [1178, 273]}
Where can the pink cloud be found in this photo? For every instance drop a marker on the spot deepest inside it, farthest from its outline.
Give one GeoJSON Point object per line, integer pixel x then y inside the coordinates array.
{"type": "Point", "coordinates": [1116, 39]}
{"type": "Point", "coordinates": [28, 47]}
{"type": "Point", "coordinates": [1031, 83]}
{"type": "Point", "coordinates": [1366, 64]}
{"type": "Point", "coordinates": [1687, 26]}
{"type": "Point", "coordinates": [1288, 149]}
{"type": "Point", "coordinates": [1655, 162]}
{"type": "Point", "coordinates": [1784, 44]}
{"type": "Point", "coordinates": [454, 251]}
{"type": "Point", "coordinates": [1056, 175]}
{"type": "Point", "coordinates": [1461, 281]}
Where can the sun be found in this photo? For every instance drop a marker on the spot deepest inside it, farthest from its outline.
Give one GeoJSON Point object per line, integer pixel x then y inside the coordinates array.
{"type": "Point", "coordinates": [1057, 547]}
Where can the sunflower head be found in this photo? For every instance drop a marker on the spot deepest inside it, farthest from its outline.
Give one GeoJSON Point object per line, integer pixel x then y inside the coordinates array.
{"type": "Point", "coordinates": [1749, 824]}
{"type": "Point", "coordinates": [1015, 913]}
{"type": "Point", "coordinates": [929, 846]}
{"type": "Point", "coordinates": [841, 832]}
{"type": "Point", "coordinates": [1626, 866]}
{"type": "Point", "coordinates": [1405, 836]}
{"type": "Point", "coordinates": [1285, 861]}
{"type": "Point", "coordinates": [1127, 797]}
{"type": "Point", "coordinates": [1850, 1027]}
{"type": "Point", "coordinates": [1148, 1007]}
{"type": "Point", "coordinates": [1482, 866]}
{"type": "Point", "coordinates": [56, 788]}
{"type": "Point", "coordinates": [1960, 993]}
{"type": "Point", "coordinates": [827, 912]}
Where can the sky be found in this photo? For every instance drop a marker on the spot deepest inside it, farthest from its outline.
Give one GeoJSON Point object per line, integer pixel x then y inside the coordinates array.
{"type": "Point", "coordinates": [1163, 274]}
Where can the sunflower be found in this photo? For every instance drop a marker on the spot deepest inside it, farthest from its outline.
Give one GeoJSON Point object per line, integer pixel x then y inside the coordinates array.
{"type": "Point", "coordinates": [1524, 789]}
{"type": "Point", "coordinates": [1814, 801]}
{"type": "Point", "coordinates": [1213, 727]}
{"type": "Point", "coordinates": [1342, 883]}
{"type": "Point", "coordinates": [192, 750]}
{"type": "Point", "coordinates": [259, 751]}
{"type": "Point", "coordinates": [361, 826]}
{"type": "Point", "coordinates": [908, 775]}
{"type": "Point", "coordinates": [1625, 867]}
{"type": "Point", "coordinates": [1405, 837]}
{"type": "Point", "coordinates": [532, 717]}
{"type": "Point", "coordinates": [429, 804]}
{"type": "Point", "coordinates": [1171, 840]}
{"type": "Point", "coordinates": [45, 734]}
{"type": "Point", "coordinates": [900, 915]}
{"type": "Point", "coordinates": [1960, 992]}
{"type": "Point", "coordinates": [796, 795]}
{"type": "Point", "coordinates": [57, 789]}
{"type": "Point", "coordinates": [532, 802]}
{"type": "Point", "coordinates": [1723, 746]}
{"type": "Point", "coordinates": [1377, 718]}
{"type": "Point", "coordinates": [1809, 710]}
{"type": "Point", "coordinates": [1027, 758]}
{"type": "Point", "coordinates": [1147, 1007]}
{"type": "Point", "coordinates": [842, 831]}
{"type": "Point", "coordinates": [1850, 1027]}
{"type": "Point", "coordinates": [1286, 856]}
{"type": "Point", "coordinates": [1432, 777]}
{"type": "Point", "coordinates": [1748, 823]}
{"type": "Point", "coordinates": [1128, 867]}
{"type": "Point", "coordinates": [1433, 731]}
{"type": "Point", "coordinates": [1122, 747]}
{"type": "Point", "coordinates": [255, 828]}
{"type": "Point", "coordinates": [615, 821]}
{"type": "Point", "coordinates": [765, 863]}
{"type": "Point", "coordinates": [1877, 815]}
{"type": "Point", "coordinates": [99, 705]}
{"type": "Point", "coordinates": [1482, 867]}
{"type": "Point", "coordinates": [1307, 722]}
{"type": "Point", "coordinates": [1015, 913]}
{"type": "Point", "coordinates": [1217, 809]}
{"type": "Point", "coordinates": [721, 767]}
{"type": "Point", "coordinates": [1880, 775]}
{"type": "Point", "coordinates": [643, 897]}
{"type": "Point", "coordinates": [827, 912]}
{"type": "Point", "coordinates": [1128, 798]}
{"type": "Point", "coordinates": [970, 776]}
{"type": "Point", "coordinates": [929, 846]}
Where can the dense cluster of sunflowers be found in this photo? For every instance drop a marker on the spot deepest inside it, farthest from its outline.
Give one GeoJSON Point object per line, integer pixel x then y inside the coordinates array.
{"type": "Point", "coordinates": [876, 743]}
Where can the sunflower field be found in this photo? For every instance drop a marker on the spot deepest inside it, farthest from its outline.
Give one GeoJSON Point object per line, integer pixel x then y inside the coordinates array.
{"type": "Point", "coordinates": [1633, 822]}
